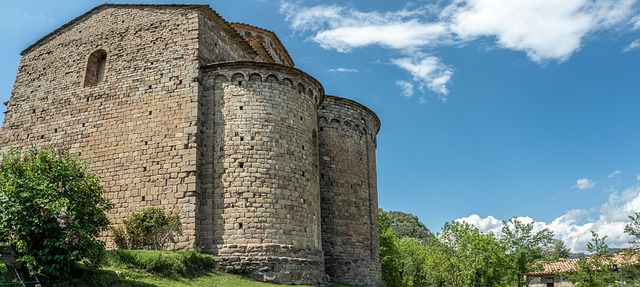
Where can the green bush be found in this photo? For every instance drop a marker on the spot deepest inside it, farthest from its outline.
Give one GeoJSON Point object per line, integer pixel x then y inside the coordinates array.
{"type": "Point", "coordinates": [149, 229]}
{"type": "Point", "coordinates": [52, 210]}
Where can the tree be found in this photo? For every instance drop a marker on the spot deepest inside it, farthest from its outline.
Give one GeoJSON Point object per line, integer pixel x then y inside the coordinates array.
{"type": "Point", "coordinates": [556, 250]}
{"type": "Point", "coordinates": [524, 247]}
{"type": "Point", "coordinates": [389, 253]}
{"type": "Point", "coordinates": [408, 225]}
{"type": "Point", "coordinates": [633, 229]}
{"type": "Point", "coordinates": [414, 258]}
{"type": "Point", "coordinates": [52, 210]}
{"type": "Point", "coordinates": [467, 257]}
{"type": "Point", "coordinates": [597, 270]}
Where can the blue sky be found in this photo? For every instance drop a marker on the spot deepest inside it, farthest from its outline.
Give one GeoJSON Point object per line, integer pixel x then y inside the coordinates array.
{"type": "Point", "coordinates": [490, 108]}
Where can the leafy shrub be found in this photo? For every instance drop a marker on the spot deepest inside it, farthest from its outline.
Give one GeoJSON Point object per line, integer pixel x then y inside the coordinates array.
{"type": "Point", "coordinates": [149, 229]}
{"type": "Point", "coordinates": [52, 210]}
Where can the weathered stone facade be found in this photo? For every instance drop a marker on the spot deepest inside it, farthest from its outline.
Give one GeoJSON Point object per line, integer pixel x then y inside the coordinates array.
{"type": "Point", "coordinates": [176, 108]}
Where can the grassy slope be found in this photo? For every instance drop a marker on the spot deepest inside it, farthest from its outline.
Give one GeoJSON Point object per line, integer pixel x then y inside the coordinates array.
{"type": "Point", "coordinates": [124, 268]}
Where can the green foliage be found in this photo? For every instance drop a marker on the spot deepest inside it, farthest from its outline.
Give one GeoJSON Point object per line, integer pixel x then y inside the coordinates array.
{"type": "Point", "coordinates": [469, 258]}
{"type": "Point", "coordinates": [633, 229]}
{"type": "Point", "coordinates": [413, 259]}
{"type": "Point", "coordinates": [52, 210]}
{"type": "Point", "coordinates": [408, 225]}
{"type": "Point", "coordinates": [389, 254]}
{"type": "Point", "coordinates": [148, 229]}
{"type": "Point", "coordinates": [595, 271]}
{"type": "Point", "coordinates": [556, 250]}
{"type": "Point", "coordinates": [459, 256]}
{"type": "Point", "coordinates": [3, 269]}
{"type": "Point", "coordinates": [524, 247]}
{"type": "Point", "coordinates": [150, 268]}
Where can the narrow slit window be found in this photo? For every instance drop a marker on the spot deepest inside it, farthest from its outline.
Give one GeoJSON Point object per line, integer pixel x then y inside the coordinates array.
{"type": "Point", "coordinates": [95, 68]}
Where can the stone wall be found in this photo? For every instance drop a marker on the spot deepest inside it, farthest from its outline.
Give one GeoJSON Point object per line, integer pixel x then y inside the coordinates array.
{"type": "Point", "coordinates": [347, 141]}
{"type": "Point", "coordinates": [137, 127]}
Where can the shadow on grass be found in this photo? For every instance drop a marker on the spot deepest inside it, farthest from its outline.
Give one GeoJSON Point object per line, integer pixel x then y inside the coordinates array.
{"type": "Point", "coordinates": [99, 278]}
{"type": "Point", "coordinates": [167, 264]}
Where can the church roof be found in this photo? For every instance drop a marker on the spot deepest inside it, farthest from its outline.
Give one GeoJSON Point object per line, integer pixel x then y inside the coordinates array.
{"type": "Point", "coordinates": [273, 36]}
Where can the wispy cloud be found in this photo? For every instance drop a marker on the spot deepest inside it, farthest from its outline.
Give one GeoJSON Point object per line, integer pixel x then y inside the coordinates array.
{"type": "Point", "coordinates": [574, 227]}
{"type": "Point", "coordinates": [545, 30]}
{"type": "Point", "coordinates": [585, 183]}
{"type": "Point", "coordinates": [344, 29]}
{"type": "Point", "coordinates": [428, 71]}
{"type": "Point", "coordinates": [407, 88]}
{"type": "Point", "coordinates": [343, 70]}
{"type": "Point", "coordinates": [632, 46]}
{"type": "Point", "coordinates": [614, 174]}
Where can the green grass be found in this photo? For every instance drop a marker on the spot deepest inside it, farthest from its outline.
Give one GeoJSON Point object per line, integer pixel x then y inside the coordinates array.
{"type": "Point", "coordinates": [3, 269]}
{"type": "Point", "coordinates": [128, 268]}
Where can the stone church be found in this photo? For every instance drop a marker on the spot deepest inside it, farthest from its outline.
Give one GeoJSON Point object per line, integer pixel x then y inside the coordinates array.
{"type": "Point", "coordinates": [176, 108]}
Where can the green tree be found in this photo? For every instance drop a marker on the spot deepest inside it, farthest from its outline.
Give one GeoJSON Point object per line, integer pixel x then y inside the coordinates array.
{"type": "Point", "coordinates": [556, 250]}
{"type": "Point", "coordinates": [408, 225]}
{"type": "Point", "coordinates": [633, 229]}
{"type": "Point", "coordinates": [524, 247]}
{"type": "Point", "coordinates": [413, 261]}
{"type": "Point", "coordinates": [471, 258]}
{"type": "Point", "coordinates": [52, 210]}
{"type": "Point", "coordinates": [594, 271]}
{"type": "Point", "coordinates": [389, 253]}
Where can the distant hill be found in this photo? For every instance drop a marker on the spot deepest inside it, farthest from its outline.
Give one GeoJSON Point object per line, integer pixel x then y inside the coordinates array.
{"type": "Point", "coordinates": [408, 225]}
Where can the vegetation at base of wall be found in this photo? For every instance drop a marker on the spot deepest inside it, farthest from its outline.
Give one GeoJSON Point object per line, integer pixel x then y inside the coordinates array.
{"type": "Point", "coordinates": [161, 263]}
{"type": "Point", "coordinates": [147, 268]}
{"type": "Point", "coordinates": [53, 211]}
{"type": "Point", "coordinates": [3, 269]}
{"type": "Point", "coordinates": [149, 229]}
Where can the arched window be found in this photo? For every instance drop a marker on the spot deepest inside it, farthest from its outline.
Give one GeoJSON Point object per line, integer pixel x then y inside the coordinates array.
{"type": "Point", "coordinates": [95, 68]}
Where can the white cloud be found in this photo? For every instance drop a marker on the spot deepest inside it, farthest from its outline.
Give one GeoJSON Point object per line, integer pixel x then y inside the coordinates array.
{"type": "Point", "coordinates": [343, 70]}
{"type": "Point", "coordinates": [585, 183]}
{"type": "Point", "coordinates": [545, 30]}
{"type": "Point", "coordinates": [614, 174]}
{"type": "Point", "coordinates": [395, 35]}
{"type": "Point", "coordinates": [344, 29]}
{"type": "Point", "coordinates": [632, 46]}
{"type": "Point", "coordinates": [428, 72]}
{"type": "Point", "coordinates": [488, 224]}
{"type": "Point", "coordinates": [407, 88]}
{"type": "Point", "coordinates": [573, 227]}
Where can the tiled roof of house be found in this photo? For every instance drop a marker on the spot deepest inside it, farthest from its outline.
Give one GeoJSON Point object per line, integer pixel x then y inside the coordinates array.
{"type": "Point", "coordinates": [569, 265]}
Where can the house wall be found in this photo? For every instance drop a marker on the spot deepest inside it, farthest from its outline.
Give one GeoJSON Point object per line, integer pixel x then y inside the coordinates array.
{"type": "Point", "coordinates": [542, 281]}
